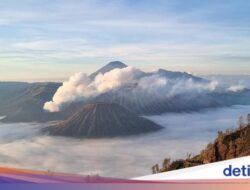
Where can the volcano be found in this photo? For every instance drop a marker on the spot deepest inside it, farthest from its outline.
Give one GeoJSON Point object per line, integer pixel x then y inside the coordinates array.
{"type": "Point", "coordinates": [103, 120]}
{"type": "Point", "coordinates": [110, 66]}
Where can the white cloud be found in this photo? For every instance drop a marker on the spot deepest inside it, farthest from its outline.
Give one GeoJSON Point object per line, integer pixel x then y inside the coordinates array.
{"type": "Point", "coordinates": [236, 88]}
{"type": "Point", "coordinates": [36, 45]}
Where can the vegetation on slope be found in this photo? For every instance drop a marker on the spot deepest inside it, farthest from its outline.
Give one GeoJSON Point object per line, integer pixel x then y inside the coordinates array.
{"type": "Point", "coordinates": [233, 143]}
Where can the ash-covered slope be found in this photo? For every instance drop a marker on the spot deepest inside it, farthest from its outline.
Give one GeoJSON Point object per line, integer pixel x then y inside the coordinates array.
{"type": "Point", "coordinates": [103, 120]}
{"type": "Point", "coordinates": [152, 104]}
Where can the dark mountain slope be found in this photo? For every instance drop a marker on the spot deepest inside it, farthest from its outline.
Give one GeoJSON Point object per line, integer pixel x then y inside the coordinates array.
{"type": "Point", "coordinates": [103, 120]}
{"type": "Point", "coordinates": [8, 89]}
{"type": "Point", "coordinates": [26, 105]}
{"type": "Point", "coordinates": [228, 145]}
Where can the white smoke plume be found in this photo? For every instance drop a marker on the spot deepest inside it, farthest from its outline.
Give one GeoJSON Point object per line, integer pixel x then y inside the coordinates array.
{"type": "Point", "coordinates": [81, 87]}
{"type": "Point", "coordinates": [70, 91]}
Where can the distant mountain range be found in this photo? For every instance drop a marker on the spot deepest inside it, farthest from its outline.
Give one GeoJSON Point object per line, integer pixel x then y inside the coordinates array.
{"type": "Point", "coordinates": [102, 120]}
{"type": "Point", "coordinates": [23, 102]}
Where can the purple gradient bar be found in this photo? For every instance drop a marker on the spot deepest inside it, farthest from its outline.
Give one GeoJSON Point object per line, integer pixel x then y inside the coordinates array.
{"type": "Point", "coordinates": [15, 179]}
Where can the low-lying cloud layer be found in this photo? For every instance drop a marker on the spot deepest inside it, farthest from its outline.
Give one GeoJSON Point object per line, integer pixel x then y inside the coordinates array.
{"type": "Point", "coordinates": [81, 87]}
{"type": "Point", "coordinates": [21, 145]}
{"type": "Point", "coordinates": [235, 88]}
{"type": "Point", "coordinates": [233, 83]}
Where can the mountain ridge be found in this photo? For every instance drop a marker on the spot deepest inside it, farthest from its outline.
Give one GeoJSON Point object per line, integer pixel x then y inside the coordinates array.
{"type": "Point", "coordinates": [23, 102]}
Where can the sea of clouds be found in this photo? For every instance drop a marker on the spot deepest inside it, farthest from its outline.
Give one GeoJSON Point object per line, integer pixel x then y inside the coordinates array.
{"type": "Point", "coordinates": [22, 145]}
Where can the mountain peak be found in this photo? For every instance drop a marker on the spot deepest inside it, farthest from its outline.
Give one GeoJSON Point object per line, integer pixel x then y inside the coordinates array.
{"type": "Point", "coordinates": [117, 64]}
{"type": "Point", "coordinates": [99, 120]}
{"type": "Point", "coordinates": [110, 66]}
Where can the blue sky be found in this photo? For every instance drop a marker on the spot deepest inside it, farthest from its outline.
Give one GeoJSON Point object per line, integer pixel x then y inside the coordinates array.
{"type": "Point", "coordinates": [52, 39]}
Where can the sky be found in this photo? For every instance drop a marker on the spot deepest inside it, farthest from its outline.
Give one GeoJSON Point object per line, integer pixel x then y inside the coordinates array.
{"type": "Point", "coordinates": [53, 39]}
